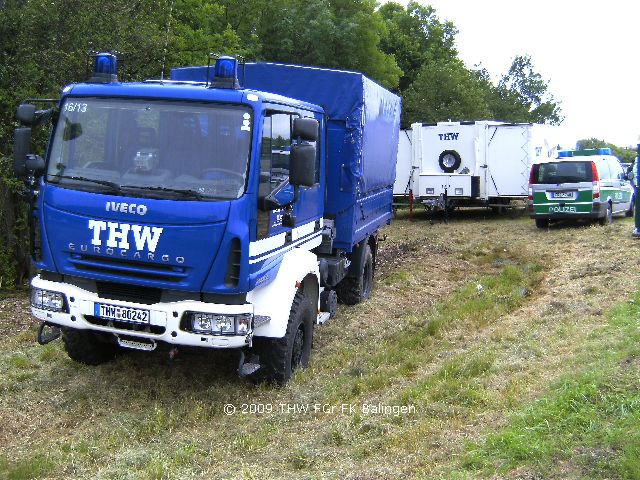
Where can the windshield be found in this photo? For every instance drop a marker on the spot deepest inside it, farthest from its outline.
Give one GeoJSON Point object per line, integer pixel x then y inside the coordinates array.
{"type": "Point", "coordinates": [153, 149]}
{"type": "Point", "coordinates": [563, 172]}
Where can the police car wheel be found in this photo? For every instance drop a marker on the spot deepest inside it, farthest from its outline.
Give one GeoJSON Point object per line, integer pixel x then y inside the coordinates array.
{"type": "Point", "coordinates": [632, 206]}
{"type": "Point", "coordinates": [449, 161]}
{"type": "Point", "coordinates": [542, 223]}
{"type": "Point", "coordinates": [608, 217]}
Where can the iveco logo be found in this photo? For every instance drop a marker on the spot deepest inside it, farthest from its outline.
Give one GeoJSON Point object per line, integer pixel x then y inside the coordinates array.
{"type": "Point", "coordinates": [126, 208]}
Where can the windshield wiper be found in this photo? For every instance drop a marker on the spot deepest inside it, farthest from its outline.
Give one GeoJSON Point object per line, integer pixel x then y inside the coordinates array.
{"type": "Point", "coordinates": [179, 191]}
{"type": "Point", "coordinates": [112, 185]}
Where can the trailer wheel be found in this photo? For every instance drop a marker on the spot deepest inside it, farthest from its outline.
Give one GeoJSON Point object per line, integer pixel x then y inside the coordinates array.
{"type": "Point", "coordinates": [449, 161]}
{"type": "Point", "coordinates": [88, 347]}
{"type": "Point", "coordinates": [357, 288]}
{"type": "Point", "coordinates": [280, 357]}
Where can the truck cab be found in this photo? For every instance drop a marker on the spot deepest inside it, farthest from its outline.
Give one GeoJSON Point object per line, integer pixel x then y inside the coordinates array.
{"type": "Point", "coordinates": [183, 213]}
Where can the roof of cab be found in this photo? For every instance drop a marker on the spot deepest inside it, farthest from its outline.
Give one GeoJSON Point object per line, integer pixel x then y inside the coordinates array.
{"type": "Point", "coordinates": [186, 91]}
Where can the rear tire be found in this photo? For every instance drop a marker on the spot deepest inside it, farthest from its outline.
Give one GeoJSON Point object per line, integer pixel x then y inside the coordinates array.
{"type": "Point", "coordinates": [542, 223]}
{"type": "Point", "coordinates": [355, 289]}
{"type": "Point", "coordinates": [280, 357]}
{"type": "Point", "coordinates": [608, 217]}
{"type": "Point", "coordinates": [90, 348]}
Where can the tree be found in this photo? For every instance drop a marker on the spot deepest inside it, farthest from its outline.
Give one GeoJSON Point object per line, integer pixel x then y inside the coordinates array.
{"type": "Point", "coordinates": [523, 96]}
{"type": "Point", "coordinates": [415, 35]}
{"type": "Point", "coordinates": [342, 34]}
{"type": "Point", "coordinates": [445, 90]}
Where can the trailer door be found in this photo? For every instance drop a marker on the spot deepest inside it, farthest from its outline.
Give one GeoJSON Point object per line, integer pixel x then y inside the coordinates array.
{"type": "Point", "coordinates": [508, 160]}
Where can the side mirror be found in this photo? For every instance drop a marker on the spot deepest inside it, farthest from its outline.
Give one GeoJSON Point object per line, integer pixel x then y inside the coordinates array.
{"type": "Point", "coordinates": [305, 129]}
{"type": "Point", "coordinates": [302, 170]}
{"type": "Point", "coordinates": [26, 114]}
{"type": "Point", "coordinates": [21, 148]}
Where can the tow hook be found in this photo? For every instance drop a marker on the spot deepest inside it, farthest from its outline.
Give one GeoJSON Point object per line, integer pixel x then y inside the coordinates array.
{"type": "Point", "coordinates": [52, 333]}
{"type": "Point", "coordinates": [246, 369]}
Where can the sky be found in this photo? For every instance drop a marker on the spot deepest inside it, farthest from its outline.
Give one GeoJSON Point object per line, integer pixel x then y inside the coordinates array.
{"type": "Point", "coordinates": [587, 51]}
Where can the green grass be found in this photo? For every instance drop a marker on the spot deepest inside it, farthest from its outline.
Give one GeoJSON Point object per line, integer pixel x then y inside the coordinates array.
{"type": "Point", "coordinates": [590, 417]}
{"type": "Point", "coordinates": [34, 467]}
{"type": "Point", "coordinates": [515, 371]}
{"type": "Point", "coordinates": [412, 343]}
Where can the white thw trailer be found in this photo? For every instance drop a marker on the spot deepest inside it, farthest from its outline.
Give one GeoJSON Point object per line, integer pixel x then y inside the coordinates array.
{"type": "Point", "coordinates": [451, 164]}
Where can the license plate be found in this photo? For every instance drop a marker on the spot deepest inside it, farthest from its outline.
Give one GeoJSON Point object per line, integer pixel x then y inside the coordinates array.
{"type": "Point", "coordinates": [562, 194]}
{"type": "Point", "coordinates": [122, 314]}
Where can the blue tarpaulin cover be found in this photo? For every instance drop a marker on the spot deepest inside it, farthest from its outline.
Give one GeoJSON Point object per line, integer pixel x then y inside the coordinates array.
{"type": "Point", "coordinates": [363, 127]}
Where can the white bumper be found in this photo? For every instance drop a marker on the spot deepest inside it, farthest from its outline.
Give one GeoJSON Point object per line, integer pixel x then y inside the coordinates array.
{"type": "Point", "coordinates": [164, 317]}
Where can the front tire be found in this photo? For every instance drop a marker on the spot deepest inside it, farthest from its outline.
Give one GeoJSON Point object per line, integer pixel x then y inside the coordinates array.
{"type": "Point", "coordinates": [90, 348]}
{"type": "Point", "coordinates": [280, 357]}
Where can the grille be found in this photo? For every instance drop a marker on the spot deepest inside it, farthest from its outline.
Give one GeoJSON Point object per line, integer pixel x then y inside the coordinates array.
{"type": "Point", "coordinates": [131, 269]}
{"type": "Point", "coordinates": [129, 293]}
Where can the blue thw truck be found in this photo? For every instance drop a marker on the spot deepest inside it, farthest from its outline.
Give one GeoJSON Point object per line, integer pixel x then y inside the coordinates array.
{"type": "Point", "coordinates": [230, 207]}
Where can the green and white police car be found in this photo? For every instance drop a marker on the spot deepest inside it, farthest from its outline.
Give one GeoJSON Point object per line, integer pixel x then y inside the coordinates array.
{"type": "Point", "coordinates": [579, 184]}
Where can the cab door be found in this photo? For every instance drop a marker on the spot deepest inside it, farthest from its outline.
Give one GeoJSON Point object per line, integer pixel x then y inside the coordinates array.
{"type": "Point", "coordinates": [274, 177]}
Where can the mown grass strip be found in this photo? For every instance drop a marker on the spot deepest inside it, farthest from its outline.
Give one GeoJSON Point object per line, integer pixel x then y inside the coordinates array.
{"type": "Point", "coordinates": [590, 419]}
{"type": "Point", "coordinates": [417, 337]}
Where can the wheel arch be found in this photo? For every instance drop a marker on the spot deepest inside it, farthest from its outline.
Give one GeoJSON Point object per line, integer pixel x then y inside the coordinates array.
{"type": "Point", "coordinates": [299, 269]}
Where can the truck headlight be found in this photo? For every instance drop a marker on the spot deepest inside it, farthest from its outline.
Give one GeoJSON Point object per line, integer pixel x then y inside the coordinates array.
{"type": "Point", "coordinates": [218, 324]}
{"type": "Point", "coordinates": [47, 300]}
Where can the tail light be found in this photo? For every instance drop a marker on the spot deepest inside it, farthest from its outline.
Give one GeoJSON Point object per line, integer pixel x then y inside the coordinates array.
{"type": "Point", "coordinates": [532, 176]}
{"type": "Point", "coordinates": [596, 181]}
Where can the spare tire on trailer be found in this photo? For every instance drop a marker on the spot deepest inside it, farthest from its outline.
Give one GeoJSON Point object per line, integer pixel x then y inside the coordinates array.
{"type": "Point", "coordinates": [449, 161]}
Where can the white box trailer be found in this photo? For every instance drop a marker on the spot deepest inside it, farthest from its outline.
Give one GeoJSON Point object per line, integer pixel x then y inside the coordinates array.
{"type": "Point", "coordinates": [451, 164]}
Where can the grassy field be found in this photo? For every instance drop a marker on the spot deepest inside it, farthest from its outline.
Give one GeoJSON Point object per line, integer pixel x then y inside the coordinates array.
{"type": "Point", "coordinates": [489, 349]}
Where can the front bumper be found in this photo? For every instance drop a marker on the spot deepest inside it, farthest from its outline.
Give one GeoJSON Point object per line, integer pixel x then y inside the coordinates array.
{"type": "Point", "coordinates": [164, 324]}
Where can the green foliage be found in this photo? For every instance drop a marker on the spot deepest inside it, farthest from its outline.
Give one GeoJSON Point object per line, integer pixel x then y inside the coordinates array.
{"type": "Point", "coordinates": [445, 90]}
{"type": "Point", "coordinates": [522, 96]}
{"type": "Point", "coordinates": [414, 36]}
{"type": "Point", "coordinates": [329, 33]}
{"type": "Point", "coordinates": [44, 45]}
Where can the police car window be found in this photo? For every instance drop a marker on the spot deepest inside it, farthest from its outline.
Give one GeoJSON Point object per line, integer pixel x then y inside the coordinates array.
{"type": "Point", "coordinates": [604, 170]}
{"type": "Point", "coordinates": [616, 169]}
{"type": "Point", "coordinates": [564, 172]}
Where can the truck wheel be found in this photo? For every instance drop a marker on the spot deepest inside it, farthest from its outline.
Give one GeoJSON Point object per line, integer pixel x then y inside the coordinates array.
{"type": "Point", "coordinates": [280, 357]}
{"type": "Point", "coordinates": [608, 217]}
{"type": "Point", "coordinates": [632, 206]}
{"type": "Point", "coordinates": [355, 289]}
{"type": "Point", "coordinates": [88, 347]}
{"type": "Point", "coordinates": [541, 223]}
